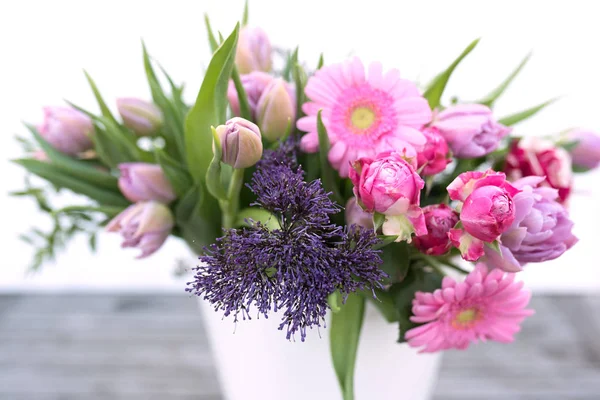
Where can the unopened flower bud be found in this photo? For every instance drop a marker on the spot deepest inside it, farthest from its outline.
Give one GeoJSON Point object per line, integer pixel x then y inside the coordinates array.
{"type": "Point", "coordinates": [253, 51]}
{"type": "Point", "coordinates": [276, 107]}
{"type": "Point", "coordinates": [67, 130]}
{"type": "Point", "coordinates": [142, 117]}
{"type": "Point", "coordinates": [241, 143]}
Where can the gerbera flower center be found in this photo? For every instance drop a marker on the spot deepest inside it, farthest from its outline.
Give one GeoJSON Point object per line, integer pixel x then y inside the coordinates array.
{"type": "Point", "coordinates": [466, 318]}
{"type": "Point", "coordinates": [362, 118]}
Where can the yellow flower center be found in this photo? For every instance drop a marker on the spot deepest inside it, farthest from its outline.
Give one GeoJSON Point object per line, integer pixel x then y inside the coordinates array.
{"type": "Point", "coordinates": [466, 319]}
{"type": "Point", "coordinates": [362, 118]}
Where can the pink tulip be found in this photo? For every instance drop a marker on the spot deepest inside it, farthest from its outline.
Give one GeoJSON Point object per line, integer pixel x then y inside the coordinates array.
{"type": "Point", "coordinates": [434, 157]}
{"type": "Point", "coordinates": [145, 182]}
{"type": "Point", "coordinates": [586, 153]}
{"type": "Point", "coordinates": [241, 143]}
{"type": "Point", "coordinates": [253, 51]}
{"type": "Point", "coordinates": [439, 219]}
{"type": "Point", "coordinates": [470, 130]}
{"type": "Point", "coordinates": [358, 216]}
{"type": "Point", "coordinates": [144, 225]}
{"type": "Point", "coordinates": [142, 117]}
{"type": "Point", "coordinates": [67, 130]}
{"type": "Point", "coordinates": [254, 85]}
{"type": "Point", "coordinates": [276, 109]}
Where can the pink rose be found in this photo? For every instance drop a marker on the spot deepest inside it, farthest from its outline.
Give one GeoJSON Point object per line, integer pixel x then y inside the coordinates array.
{"type": "Point", "coordinates": [434, 157]}
{"type": "Point", "coordinates": [470, 130]}
{"type": "Point", "coordinates": [533, 156]}
{"type": "Point", "coordinates": [439, 219]}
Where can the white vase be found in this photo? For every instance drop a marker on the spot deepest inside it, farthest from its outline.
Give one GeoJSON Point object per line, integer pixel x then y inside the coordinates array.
{"type": "Point", "coordinates": [256, 362]}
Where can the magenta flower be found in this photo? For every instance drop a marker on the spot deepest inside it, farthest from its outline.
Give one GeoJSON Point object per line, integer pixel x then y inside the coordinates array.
{"type": "Point", "coordinates": [67, 130]}
{"type": "Point", "coordinates": [145, 182]}
{"type": "Point", "coordinates": [532, 156]}
{"type": "Point", "coordinates": [586, 153]}
{"type": "Point", "coordinates": [253, 51]}
{"type": "Point", "coordinates": [357, 216]}
{"type": "Point", "coordinates": [470, 130]}
{"type": "Point", "coordinates": [390, 185]}
{"type": "Point", "coordinates": [241, 144]}
{"type": "Point", "coordinates": [488, 305]}
{"type": "Point", "coordinates": [488, 210]}
{"type": "Point", "coordinates": [254, 85]}
{"type": "Point", "coordinates": [276, 109]}
{"type": "Point", "coordinates": [142, 117]}
{"type": "Point", "coordinates": [540, 232]}
{"type": "Point", "coordinates": [435, 155]}
{"type": "Point", "coordinates": [439, 220]}
{"type": "Point", "coordinates": [364, 116]}
{"type": "Point", "coordinates": [144, 225]}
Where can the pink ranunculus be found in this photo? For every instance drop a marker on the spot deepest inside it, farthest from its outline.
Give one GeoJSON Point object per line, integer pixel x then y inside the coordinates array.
{"type": "Point", "coordinates": [67, 130]}
{"type": "Point", "coordinates": [439, 219]}
{"type": "Point", "coordinates": [142, 117]}
{"type": "Point", "coordinates": [390, 185]}
{"type": "Point", "coordinates": [145, 225]}
{"type": "Point", "coordinates": [487, 305]}
{"type": "Point", "coordinates": [276, 109]}
{"type": "Point", "coordinates": [253, 51]}
{"type": "Point", "coordinates": [470, 130]}
{"type": "Point", "coordinates": [145, 182]}
{"type": "Point", "coordinates": [434, 157]}
{"type": "Point", "coordinates": [586, 153]}
{"type": "Point", "coordinates": [357, 216]}
{"type": "Point", "coordinates": [254, 85]}
{"type": "Point", "coordinates": [532, 156]}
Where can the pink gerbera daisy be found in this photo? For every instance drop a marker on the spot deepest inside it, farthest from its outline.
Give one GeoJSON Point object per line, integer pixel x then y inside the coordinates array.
{"type": "Point", "coordinates": [364, 115]}
{"type": "Point", "coordinates": [486, 306]}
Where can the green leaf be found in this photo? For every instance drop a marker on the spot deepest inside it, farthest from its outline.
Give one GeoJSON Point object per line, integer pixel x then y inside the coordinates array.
{"type": "Point", "coordinates": [62, 179]}
{"type": "Point", "coordinates": [396, 261]}
{"type": "Point", "coordinates": [495, 246]}
{"type": "Point", "coordinates": [568, 145]}
{"type": "Point", "coordinates": [378, 220]}
{"type": "Point", "coordinates": [495, 94]}
{"type": "Point", "coordinates": [321, 62]}
{"type": "Point", "coordinates": [434, 92]}
{"type": "Point", "coordinates": [210, 108]}
{"type": "Point", "coordinates": [385, 240]}
{"type": "Point", "coordinates": [74, 167]}
{"type": "Point", "coordinates": [334, 301]}
{"type": "Point", "coordinates": [258, 215]}
{"type": "Point", "coordinates": [178, 176]}
{"type": "Point", "coordinates": [103, 107]}
{"type": "Point", "coordinates": [525, 114]}
{"type": "Point", "coordinates": [213, 174]}
{"type": "Point", "coordinates": [245, 15]}
{"type": "Point", "coordinates": [578, 169]}
{"type": "Point", "coordinates": [199, 218]}
{"type": "Point", "coordinates": [212, 41]}
{"type": "Point", "coordinates": [242, 97]}
{"type": "Point", "coordinates": [384, 302]}
{"type": "Point", "coordinates": [327, 173]}
{"type": "Point", "coordinates": [300, 79]}
{"type": "Point", "coordinates": [344, 335]}
{"type": "Point", "coordinates": [92, 242]}
{"type": "Point", "coordinates": [109, 211]}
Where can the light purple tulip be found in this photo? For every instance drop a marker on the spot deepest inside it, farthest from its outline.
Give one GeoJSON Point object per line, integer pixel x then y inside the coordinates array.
{"type": "Point", "coordinates": [67, 130]}
{"type": "Point", "coordinates": [470, 130]}
{"type": "Point", "coordinates": [586, 153]}
{"type": "Point", "coordinates": [142, 117]}
{"type": "Point", "coordinates": [241, 143]}
{"type": "Point", "coordinates": [541, 230]}
{"type": "Point", "coordinates": [254, 84]}
{"type": "Point", "coordinates": [358, 216]}
{"type": "Point", "coordinates": [145, 182]}
{"type": "Point", "coordinates": [276, 108]}
{"type": "Point", "coordinates": [253, 51]}
{"type": "Point", "coordinates": [144, 225]}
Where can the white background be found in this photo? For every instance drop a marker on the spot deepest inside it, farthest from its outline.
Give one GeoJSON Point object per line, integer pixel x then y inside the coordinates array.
{"type": "Point", "coordinates": [45, 44]}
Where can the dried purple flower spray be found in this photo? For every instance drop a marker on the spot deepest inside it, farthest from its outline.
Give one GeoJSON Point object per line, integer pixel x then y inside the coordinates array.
{"type": "Point", "coordinates": [292, 269]}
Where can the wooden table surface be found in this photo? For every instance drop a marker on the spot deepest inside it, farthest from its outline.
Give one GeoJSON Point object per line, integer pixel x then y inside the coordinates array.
{"type": "Point", "coordinates": [153, 347]}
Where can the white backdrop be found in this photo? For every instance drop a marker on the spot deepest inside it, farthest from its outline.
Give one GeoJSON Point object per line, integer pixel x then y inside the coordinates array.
{"type": "Point", "coordinates": [45, 44]}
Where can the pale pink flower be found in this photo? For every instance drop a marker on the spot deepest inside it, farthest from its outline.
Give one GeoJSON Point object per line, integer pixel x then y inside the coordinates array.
{"type": "Point", "coordinates": [364, 113]}
{"type": "Point", "coordinates": [488, 305]}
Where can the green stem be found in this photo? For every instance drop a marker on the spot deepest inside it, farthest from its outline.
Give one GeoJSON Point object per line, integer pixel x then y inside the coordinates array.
{"type": "Point", "coordinates": [450, 264]}
{"type": "Point", "coordinates": [432, 262]}
{"type": "Point", "coordinates": [231, 206]}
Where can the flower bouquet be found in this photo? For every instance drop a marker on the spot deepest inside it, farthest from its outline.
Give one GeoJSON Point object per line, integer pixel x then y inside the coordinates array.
{"type": "Point", "coordinates": [308, 190]}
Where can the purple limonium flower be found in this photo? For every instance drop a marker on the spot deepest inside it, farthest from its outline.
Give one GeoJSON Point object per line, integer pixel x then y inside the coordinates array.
{"type": "Point", "coordinates": [291, 270]}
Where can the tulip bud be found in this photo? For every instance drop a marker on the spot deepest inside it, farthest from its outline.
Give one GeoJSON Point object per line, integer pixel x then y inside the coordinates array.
{"type": "Point", "coordinates": [586, 153]}
{"type": "Point", "coordinates": [67, 130]}
{"type": "Point", "coordinates": [241, 143]}
{"type": "Point", "coordinates": [254, 85]}
{"type": "Point", "coordinates": [145, 182]}
{"type": "Point", "coordinates": [144, 225]}
{"type": "Point", "coordinates": [356, 215]}
{"type": "Point", "coordinates": [142, 117]}
{"type": "Point", "coordinates": [275, 108]}
{"type": "Point", "coordinates": [253, 51]}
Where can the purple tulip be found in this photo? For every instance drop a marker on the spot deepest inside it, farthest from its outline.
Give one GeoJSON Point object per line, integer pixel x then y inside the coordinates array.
{"type": "Point", "coordinates": [145, 182]}
{"type": "Point", "coordinates": [241, 143]}
{"type": "Point", "coordinates": [541, 230]}
{"type": "Point", "coordinates": [67, 130]}
{"type": "Point", "coordinates": [253, 51]}
{"type": "Point", "coordinates": [254, 84]}
{"type": "Point", "coordinates": [144, 225]}
{"type": "Point", "coordinates": [470, 130]}
{"type": "Point", "coordinates": [586, 153]}
{"type": "Point", "coordinates": [357, 216]}
{"type": "Point", "coordinates": [276, 109]}
{"type": "Point", "coordinates": [142, 117]}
